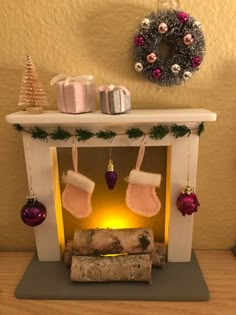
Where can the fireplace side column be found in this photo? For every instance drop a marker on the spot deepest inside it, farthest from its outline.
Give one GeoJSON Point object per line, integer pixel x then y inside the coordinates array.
{"type": "Point", "coordinates": [42, 171]}
{"type": "Point", "coordinates": [180, 230]}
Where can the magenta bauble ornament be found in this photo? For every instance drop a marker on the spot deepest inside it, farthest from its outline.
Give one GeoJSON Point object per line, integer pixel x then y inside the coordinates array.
{"type": "Point", "coordinates": [139, 40]}
{"type": "Point", "coordinates": [187, 202]}
{"type": "Point", "coordinates": [183, 17]}
{"type": "Point", "coordinates": [188, 39]}
{"type": "Point", "coordinates": [110, 176]}
{"type": "Point", "coordinates": [33, 212]}
{"type": "Point", "coordinates": [151, 58]}
{"type": "Point", "coordinates": [156, 73]}
{"type": "Point", "coordinates": [196, 61]}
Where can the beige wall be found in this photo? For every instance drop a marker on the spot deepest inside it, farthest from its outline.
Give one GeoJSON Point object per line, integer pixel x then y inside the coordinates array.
{"type": "Point", "coordinates": [95, 37]}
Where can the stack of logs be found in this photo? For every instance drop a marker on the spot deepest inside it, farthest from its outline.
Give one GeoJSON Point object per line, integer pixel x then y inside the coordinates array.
{"type": "Point", "coordinates": [100, 255]}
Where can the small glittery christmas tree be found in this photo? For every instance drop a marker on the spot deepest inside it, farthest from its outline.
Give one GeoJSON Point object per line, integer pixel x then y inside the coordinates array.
{"type": "Point", "coordinates": [32, 94]}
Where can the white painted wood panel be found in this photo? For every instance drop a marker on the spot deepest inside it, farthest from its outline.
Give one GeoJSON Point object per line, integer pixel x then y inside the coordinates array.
{"type": "Point", "coordinates": [41, 164]}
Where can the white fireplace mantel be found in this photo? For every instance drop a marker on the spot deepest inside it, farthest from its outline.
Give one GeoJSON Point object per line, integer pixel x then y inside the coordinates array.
{"type": "Point", "coordinates": [41, 163]}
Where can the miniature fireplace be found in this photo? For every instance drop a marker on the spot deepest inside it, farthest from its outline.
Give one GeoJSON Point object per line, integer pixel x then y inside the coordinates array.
{"type": "Point", "coordinates": [50, 239]}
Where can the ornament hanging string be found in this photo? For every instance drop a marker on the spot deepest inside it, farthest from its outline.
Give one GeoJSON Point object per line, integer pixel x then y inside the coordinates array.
{"type": "Point", "coordinates": [28, 139]}
{"type": "Point", "coordinates": [189, 148]}
{"type": "Point", "coordinates": [110, 174]}
{"type": "Point", "coordinates": [75, 155]}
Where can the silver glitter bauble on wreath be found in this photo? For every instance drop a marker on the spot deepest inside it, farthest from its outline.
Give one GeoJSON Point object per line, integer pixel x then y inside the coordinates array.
{"type": "Point", "coordinates": [171, 41]}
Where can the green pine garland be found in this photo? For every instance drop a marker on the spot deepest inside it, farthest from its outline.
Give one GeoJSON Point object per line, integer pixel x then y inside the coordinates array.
{"type": "Point", "coordinates": [156, 133]}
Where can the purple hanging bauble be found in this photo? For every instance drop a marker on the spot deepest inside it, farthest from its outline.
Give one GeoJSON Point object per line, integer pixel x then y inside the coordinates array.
{"type": "Point", "coordinates": [110, 176]}
{"type": "Point", "coordinates": [187, 201]}
{"type": "Point", "coordinates": [34, 212]}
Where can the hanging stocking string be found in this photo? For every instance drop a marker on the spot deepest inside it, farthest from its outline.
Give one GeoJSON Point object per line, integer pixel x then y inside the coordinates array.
{"type": "Point", "coordinates": [168, 4]}
{"type": "Point", "coordinates": [75, 155]}
{"type": "Point", "coordinates": [140, 156]}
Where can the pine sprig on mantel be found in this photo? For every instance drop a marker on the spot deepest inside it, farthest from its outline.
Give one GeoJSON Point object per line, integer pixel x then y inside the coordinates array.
{"type": "Point", "coordinates": [83, 135]}
{"type": "Point", "coordinates": [180, 131]}
{"type": "Point", "coordinates": [200, 129]}
{"type": "Point", "coordinates": [134, 133]}
{"type": "Point", "coordinates": [39, 133]}
{"type": "Point", "coordinates": [156, 133]}
{"type": "Point", "coordinates": [106, 135]}
{"type": "Point", "coordinates": [18, 127]}
{"type": "Point", "coordinates": [60, 134]}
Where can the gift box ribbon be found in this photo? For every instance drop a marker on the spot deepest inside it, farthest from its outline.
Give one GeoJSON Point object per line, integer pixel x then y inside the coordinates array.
{"type": "Point", "coordinates": [67, 79]}
{"type": "Point", "coordinates": [110, 88]}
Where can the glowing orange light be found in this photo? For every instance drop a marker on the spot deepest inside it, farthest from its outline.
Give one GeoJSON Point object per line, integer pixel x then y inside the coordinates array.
{"type": "Point", "coordinates": [114, 222]}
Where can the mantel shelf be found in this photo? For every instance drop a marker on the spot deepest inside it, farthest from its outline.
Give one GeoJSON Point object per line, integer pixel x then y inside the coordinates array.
{"type": "Point", "coordinates": [135, 116]}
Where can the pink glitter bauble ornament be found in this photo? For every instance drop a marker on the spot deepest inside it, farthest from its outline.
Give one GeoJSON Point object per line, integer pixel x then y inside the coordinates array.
{"type": "Point", "coordinates": [156, 73]}
{"type": "Point", "coordinates": [162, 28]}
{"type": "Point", "coordinates": [139, 40]}
{"type": "Point", "coordinates": [183, 17]}
{"type": "Point", "coordinates": [187, 202]}
{"type": "Point", "coordinates": [188, 39]}
{"type": "Point", "coordinates": [151, 58]}
{"type": "Point", "coordinates": [33, 212]}
{"type": "Point", "coordinates": [196, 61]}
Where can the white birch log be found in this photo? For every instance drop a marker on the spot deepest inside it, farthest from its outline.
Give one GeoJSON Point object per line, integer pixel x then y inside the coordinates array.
{"type": "Point", "coordinates": [95, 242]}
{"type": "Point", "coordinates": [111, 268]}
{"type": "Point", "coordinates": [158, 256]}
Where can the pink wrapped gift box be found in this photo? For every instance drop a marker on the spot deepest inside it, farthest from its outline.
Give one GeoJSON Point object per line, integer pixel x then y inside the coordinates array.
{"type": "Point", "coordinates": [75, 95]}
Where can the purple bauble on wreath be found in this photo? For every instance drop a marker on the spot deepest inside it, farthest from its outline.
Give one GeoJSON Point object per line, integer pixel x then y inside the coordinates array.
{"type": "Point", "coordinates": [196, 61]}
{"type": "Point", "coordinates": [139, 41]}
{"type": "Point", "coordinates": [33, 212]}
{"type": "Point", "coordinates": [183, 17]}
{"type": "Point", "coordinates": [187, 202]}
{"type": "Point", "coordinates": [156, 73]}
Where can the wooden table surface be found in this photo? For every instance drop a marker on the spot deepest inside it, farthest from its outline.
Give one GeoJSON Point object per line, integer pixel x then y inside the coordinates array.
{"type": "Point", "coordinates": [219, 269]}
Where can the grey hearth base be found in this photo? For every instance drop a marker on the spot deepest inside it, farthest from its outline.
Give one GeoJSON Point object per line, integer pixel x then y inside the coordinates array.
{"type": "Point", "coordinates": [51, 281]}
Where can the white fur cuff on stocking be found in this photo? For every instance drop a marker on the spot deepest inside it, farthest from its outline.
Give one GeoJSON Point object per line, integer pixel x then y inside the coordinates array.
{"type": "Point", "coordinates": [76, 197]}
{"type": "Point", "coordinates": [80, 181]}
{"type": "Point", "coordinates": [144, 178]}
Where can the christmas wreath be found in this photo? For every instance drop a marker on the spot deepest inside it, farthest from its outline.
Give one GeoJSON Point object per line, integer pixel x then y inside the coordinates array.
{"type": "Point", "coordinates": [169, 47]}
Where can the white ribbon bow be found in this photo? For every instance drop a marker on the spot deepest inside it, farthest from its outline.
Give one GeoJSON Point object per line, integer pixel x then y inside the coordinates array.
{"type": "Point", "coordinates": [112, 87]}
{"type": "Point", "coordinates": [67, 79]}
